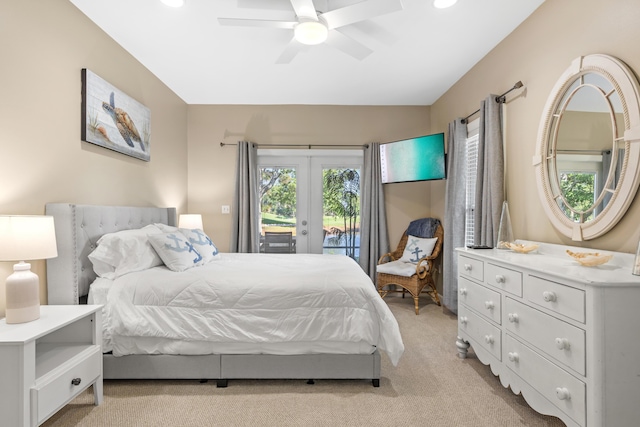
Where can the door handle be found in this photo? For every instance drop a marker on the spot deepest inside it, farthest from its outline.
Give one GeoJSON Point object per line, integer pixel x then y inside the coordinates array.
{"type": "Point", "coordinates": [303, 232]}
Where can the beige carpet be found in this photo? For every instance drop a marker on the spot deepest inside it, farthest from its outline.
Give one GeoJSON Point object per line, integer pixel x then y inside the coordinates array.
{"type": "Point", "coordinates": [431, 386]}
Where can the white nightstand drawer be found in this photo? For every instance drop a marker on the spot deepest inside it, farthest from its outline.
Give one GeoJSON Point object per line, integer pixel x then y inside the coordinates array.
{"type": "Point", "coordinates": [57, 387]}
{"type": "Point", "coordinates": [471, 267]}
{"type": "Point", "coordinates": [481, 299]}
{"type": "Point", "coordinates": [560, 340]}
{"type": "Point", "coordinates": [557, 385]}
{"type": "Point", "coordinates": [504, 279]}
{"type": "Point", "coordinates": [484, 333]}
{"type": "Point", "coordinates": [559, 298]}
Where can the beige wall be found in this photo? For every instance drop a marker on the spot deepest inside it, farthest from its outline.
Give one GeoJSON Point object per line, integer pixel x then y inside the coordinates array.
{"type": "Point", "coordinates": [44, 45]}
{"type": "Point", "coordinates": [212, 168]}
{"type": "Point", "coordinates": [537, 53]}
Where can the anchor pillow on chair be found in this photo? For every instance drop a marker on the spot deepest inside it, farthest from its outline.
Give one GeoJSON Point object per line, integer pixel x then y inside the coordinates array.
{"type": "Point", "coordinates": [417, 248]}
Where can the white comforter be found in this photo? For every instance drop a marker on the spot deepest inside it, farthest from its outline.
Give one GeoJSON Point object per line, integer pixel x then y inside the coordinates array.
{"type": "Point", "coordinates": [252, 298]}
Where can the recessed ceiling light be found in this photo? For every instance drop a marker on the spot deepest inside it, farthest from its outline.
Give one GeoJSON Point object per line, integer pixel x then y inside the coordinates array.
{"type": "Point", "coordinates": [173, 3]}
{"type": "Point", "coordinates": [441, 4]}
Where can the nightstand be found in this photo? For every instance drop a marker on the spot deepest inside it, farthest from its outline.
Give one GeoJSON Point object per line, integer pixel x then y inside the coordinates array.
{"type": "Point", "coordinates": [45, 363]}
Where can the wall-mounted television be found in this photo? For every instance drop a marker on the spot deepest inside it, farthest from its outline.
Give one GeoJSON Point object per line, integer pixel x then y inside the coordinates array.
{"type": "Point", "coordinates": [415, 159]}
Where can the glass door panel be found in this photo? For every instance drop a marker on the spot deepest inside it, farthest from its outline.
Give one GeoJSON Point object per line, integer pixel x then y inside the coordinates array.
{"type": "Point", "coordinates": [341, 211]}
{"type": "Point", "coordinates": [278, 208]}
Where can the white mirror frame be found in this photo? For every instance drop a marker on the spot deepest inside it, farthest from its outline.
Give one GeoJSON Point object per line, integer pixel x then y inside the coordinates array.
{"type": "Point", "coordinates": [626, 85]}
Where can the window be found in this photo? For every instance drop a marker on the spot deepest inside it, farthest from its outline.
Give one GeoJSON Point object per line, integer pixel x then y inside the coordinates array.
{"type": "Point", "coordinates": [471, 161]}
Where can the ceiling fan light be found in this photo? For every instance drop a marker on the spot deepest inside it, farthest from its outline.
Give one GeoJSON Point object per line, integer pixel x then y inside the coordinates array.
{"type": "Point", "coordinates": [173, 3]}
{"type": "Point", "coordinates": [442, 4]}
{"type": "Point", "coordinates": [311, 32]}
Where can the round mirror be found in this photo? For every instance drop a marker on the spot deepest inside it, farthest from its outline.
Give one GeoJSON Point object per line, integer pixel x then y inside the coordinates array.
{"type": "Point", "coordinates": [588, 152]}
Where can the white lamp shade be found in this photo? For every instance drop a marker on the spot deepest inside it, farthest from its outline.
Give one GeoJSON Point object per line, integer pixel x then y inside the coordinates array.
{"type": "Point", "coordinates": [27, 237]}
{"type": "Point", "coordinates": [190, 221]}
{"type": "Point", "coordinates": [311, 32]}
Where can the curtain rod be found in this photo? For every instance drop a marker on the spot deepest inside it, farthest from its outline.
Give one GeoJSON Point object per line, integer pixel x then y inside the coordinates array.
{"type": "Point", "coordinates": [308, 146]}
{"type": "Point", "coordinates": [499, 99]}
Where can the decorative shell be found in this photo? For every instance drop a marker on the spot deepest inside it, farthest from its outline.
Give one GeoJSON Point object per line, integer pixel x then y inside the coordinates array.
{"type": "Point", "coordinates": [521, 248]}
{"type": "Point", "coordinates": [590, 259]}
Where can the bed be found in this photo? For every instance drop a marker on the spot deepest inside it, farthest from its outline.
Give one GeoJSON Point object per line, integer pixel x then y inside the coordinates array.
{"type": "Point", "coordinates": [239, 340]}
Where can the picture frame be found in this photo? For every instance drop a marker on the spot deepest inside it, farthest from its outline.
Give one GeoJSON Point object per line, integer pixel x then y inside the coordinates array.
{"type": "Point", "coordinates": [114, 120]}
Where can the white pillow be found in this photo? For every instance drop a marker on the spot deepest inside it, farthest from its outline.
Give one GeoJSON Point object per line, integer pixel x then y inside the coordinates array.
{"type": "Point", "coordinates": [166, 228]}
{"type": "Point", "coordinates": [202, 243]}
{"type": "Point", "coordinates": [176, 252]}
{"type": "Point", "coordinates": [124, 251]}
{"type": "Point", "coordinates": [417, 248]}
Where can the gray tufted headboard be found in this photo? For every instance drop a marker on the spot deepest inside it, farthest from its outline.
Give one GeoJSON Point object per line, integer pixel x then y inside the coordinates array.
{"type": "Point", "coordinates": [78, 228]}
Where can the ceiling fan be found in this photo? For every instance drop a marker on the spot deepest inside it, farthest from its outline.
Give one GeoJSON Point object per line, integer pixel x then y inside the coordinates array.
{"type": "Point", "coordinates": [315, 27]}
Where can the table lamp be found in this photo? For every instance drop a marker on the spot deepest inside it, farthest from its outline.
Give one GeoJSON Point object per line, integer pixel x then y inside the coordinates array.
{"type": "Point", "coordinates": [190, 221]}
{"type": "Point", "coordinates": [25, 237]}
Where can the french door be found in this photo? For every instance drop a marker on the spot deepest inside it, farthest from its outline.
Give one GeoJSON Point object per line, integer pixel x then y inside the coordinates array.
{"type": "Point", "coordinates": [313, 195]}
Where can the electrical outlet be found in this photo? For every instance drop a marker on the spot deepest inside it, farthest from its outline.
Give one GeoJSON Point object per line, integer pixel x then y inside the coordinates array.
{"type": "Point", "coordinates": [226, 209]}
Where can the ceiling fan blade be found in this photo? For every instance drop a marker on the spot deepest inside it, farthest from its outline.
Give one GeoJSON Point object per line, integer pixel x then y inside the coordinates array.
{"type": "Point", "coordinates": [360, 12]}
{"type": "Point", "coordinates": [348, 45]}
{"type": "Point", "coordinates": [290, 51]}
{"type": "Point", "coordinates": [237, 22]}
{"type": "Point", "coordinates": [305, 9]}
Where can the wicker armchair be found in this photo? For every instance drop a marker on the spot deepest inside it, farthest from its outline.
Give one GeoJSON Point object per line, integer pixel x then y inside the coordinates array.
{"type": "Point", "coordinates": [423, 276]}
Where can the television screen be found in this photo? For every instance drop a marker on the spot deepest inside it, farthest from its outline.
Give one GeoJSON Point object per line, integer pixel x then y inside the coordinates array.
{"type": "Point", "coordinates": [415, 159]}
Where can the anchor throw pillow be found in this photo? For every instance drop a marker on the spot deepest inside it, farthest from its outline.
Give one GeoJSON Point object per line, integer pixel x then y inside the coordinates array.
{"type": "Point", "coordinates": [202, 243]}
{"type": "Point", "coordinates": [417, 248]}
{"type": "Point", "coordinates": [176, 251]}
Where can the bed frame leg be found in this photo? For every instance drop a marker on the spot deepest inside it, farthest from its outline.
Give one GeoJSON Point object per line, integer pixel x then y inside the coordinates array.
{"type": "Point", "coordinates": [221, 383]}
{"type": "Point", "coordinates": [311, 382]}
{"type": "Point", "coordinates": [376, 382]}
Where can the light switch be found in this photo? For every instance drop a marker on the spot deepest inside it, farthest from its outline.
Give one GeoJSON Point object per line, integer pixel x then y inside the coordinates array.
{"type": "Point", "coordinates": [226, 209]}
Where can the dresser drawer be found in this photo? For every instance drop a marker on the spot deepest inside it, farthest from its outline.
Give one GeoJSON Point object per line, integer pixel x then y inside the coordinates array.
{"type": "Point", "coordinates": [483, 300]}
{"type": "Point", "coordinates": [56, 388]}
{"type": "Point", "coordinates": [556, 297]}
{"type": "Point", "coordinates": [560, 387]}
{"type": "Point", "coordinates": [560, 340]}
{"type": "Point", "coordinates": [482, 332]}
{"type": "Point", "coordinates": [504, 279]}
{"type": "Point", "coordinates": [471, 267]}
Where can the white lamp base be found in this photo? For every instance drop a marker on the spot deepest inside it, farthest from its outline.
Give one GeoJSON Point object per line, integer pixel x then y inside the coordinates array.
{"type": "Point", "coordinates": [23, 294]}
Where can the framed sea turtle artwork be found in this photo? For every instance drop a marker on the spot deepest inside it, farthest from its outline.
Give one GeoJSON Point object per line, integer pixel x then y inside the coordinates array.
{"type": "Point", "coordinates": [114, 120]}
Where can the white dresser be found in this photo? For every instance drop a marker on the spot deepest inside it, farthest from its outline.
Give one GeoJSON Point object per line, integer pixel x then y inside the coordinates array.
{"type": "Point", "coordinates": [565, 336]}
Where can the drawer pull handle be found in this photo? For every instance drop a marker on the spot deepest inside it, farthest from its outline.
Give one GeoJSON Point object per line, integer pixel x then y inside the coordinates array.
{"type": "Point", "coordinates": [488, 339]}
{"type": "Point", "coordinates": [489, 305]}
{"type": "Point", "coordinates": [76, 381]}
{"type": "Point", "coordinates": [513, 356]}
{"type": "Point", "coordinates": [513, 317]}
{"type": "Point", "coordinates": [563, 394]}
{"type": "Point", "coordinates": [549, 296]}
{"type": "Point", "coordinates": [464, 320]}
{"type": "Point", "coordinates": [500, 278]}
{"type": "Point", "coordinates": [463, 291]}
{"type": "Point", "coordinates": [467, 267]}
{"type": "Point", "coordinates": [562, 344]}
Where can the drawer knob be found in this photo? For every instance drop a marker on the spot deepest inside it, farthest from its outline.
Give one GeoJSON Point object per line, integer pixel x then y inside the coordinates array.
{"type": "Point", "coordinates": [467, 267]}
{"type": "Point", "coordinates": [549, 296]}
{"type": "Point", "coordinates": [513, 317]}
{"type": "Point", "coordinates": [563, 394]}
{"type": "Point", "coordinates": [76, 381]}
{"type": "Point", "coordinates": [489, 305]}
{"type": "Point", "coordinates": [464, 320]}
{"type": "Point", "coordinates": [500, 278]}
{"type": "Point", "coordinates": [513, 356]}
{"type": "Point", "coordinates": [562, 344]}
{"type": "Point", "coordinates": [463, 291]}
{"type": "Point", "coordinates": [488, 339]}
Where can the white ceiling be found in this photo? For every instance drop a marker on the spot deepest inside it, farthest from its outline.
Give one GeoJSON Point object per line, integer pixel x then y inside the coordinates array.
{"type": "Point", "coordinates": [418, 52]}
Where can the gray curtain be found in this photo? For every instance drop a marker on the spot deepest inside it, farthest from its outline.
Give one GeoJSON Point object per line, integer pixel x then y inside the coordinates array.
{"type": "Point", "coordinates": [374, 239]}
{"type": "Point", "coordinates": [245, 234]}
{"type": "Point", "coordinates": [607, 159]}
{"type": "Point", "coordinates": [454, 211]}
{"type": "Point", "coordinates": [490, 180]}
